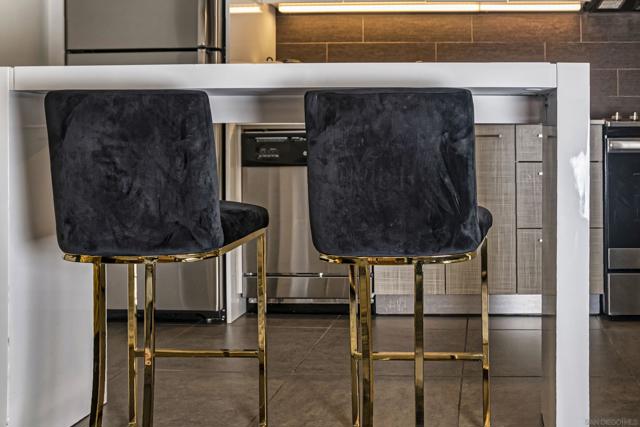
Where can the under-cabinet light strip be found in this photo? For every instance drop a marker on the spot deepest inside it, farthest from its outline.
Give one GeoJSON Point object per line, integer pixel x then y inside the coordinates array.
{"type": "Point", "coordinates": [454, 6]}
{"type": "Point", "coordinates": [245, 8]}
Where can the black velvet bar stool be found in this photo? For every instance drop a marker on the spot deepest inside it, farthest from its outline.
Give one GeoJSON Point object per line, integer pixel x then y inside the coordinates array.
{"type": "Point", "coordinates": [135, 182]}
{"type": "Point", "coordinates": [392, 181]}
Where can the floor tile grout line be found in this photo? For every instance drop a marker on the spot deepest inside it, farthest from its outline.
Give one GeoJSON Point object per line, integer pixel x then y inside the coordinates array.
{"type": "Point", "coordinates": [313, 346]}
{"type": "Point", "coordinates": [278, 390]}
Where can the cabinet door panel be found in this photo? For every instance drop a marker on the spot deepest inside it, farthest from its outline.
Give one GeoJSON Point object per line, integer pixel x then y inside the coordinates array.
{"type": "Point", "coordinates": [529, 143]}
{"type": "Point", "coordinates": [595, 195]}
{"type": "Point", "coordinates": [399, 280]}
{"type": "Point", "coordinates": [495, 170]}
{"type": "Point", "coordinates": [596, 261]}
{"type": "Point", "coordinates": [595, 146]}
{"type": "Point", "coordinates": [529, 185]}
{"type": "Point", "coordinates": [529, 261]}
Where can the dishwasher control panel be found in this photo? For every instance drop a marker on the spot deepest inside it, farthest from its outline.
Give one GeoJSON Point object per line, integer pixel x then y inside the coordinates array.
{"type": "Point", "coordinates": [274, 148]}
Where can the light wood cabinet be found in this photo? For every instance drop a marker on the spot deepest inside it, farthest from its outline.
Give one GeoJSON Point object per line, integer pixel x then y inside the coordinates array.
{"type": "Point", "coordinates": [399, 280]}
{"type": "Point", "coordinates": [595, 143]}
{"type": "Point", "coordinates": [596, 261]}
{"type": "Point", "coordinates": [595, 195]}
{"type": "Point", "coordinates": [509, 172]}
{"type": "Point", "coordinates": [529, 139]}
{"type": "Point", "coordinates": [529, 191]}
{"type": "Point", "coordinates": [495, 170]}
{"type": "Point", "coordinates": [529, 261]}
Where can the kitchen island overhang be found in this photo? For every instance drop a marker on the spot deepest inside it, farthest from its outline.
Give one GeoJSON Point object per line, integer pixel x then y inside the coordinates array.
{"type": "Point", "coordinates": [48, 301]}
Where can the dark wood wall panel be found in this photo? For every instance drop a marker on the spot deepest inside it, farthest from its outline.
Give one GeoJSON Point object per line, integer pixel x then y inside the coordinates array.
{"type": "Point", "coordinates": [417, 28]}
{"type": "Point", "coordinates": [610, 42]}
{"type": "Point", "coordinates": [494, 52]}
{"type": "Point", "coordinates": [629, 82]}
{"type": "Point", "coordinates": [305, 52]}
{"type": "Point", "coordinates": [620, 27]}
{"type": "Point", "coordinates": [382, 52]}
{"type": "Point", "coordinates": [318, 28]}
{"type": "Point", "coordinates": [599, 54]}
{"type": "Point", "coordinates": [526, 27]}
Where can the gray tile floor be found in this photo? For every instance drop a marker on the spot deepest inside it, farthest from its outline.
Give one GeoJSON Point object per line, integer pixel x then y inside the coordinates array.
{"type": "Point", "coordinates": [309, 373]}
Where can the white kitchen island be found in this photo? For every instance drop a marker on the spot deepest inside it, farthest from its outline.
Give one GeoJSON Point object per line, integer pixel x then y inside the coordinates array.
{"type": "Point", "coordinates": [46, 321]}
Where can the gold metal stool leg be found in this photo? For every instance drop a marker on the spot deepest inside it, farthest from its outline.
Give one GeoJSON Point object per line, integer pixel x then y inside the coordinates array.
{"type": "Point", "coordinates": [149, 342]}
{"type": "Point", "coordinates": [99, 345]}
{"type": "Point", "coordinates": [486, 401]}
{"type": "Point", "coordinates": [367, 345]}
{"type": "Point", "coordinates": [262, 332]}
{"type": "Point", "coordinates": [418, 319]}
{"type": "Point", "coordinates": [132, 326]}
{"type": "Point", "coordinates": [353, 340]}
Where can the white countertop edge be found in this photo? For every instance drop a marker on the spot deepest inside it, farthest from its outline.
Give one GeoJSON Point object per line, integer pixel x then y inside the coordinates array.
{"type": "Point", "coordinates": [241, 79]}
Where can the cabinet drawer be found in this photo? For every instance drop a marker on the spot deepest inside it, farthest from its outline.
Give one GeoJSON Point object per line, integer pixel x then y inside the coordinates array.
{"type": "Point", "coordinates": [596, 261]}
{"type": "Point", "coordinates": [529, 192]}
{"type": "Point", "coordinates": [595, 143]}
{"type": "Point", "coordinates": [529, 261]}
{"type": "Point", "coordinates": [529, 143]}
{"type": "Point", "coordinates": [595, 195]}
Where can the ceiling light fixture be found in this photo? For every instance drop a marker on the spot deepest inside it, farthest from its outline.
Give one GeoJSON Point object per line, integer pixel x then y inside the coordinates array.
{"type": "Point", "coordinates": [454, 6]}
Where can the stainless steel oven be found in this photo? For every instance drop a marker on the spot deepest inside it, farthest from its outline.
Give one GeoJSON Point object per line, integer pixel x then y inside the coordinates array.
{"type": "Point", "coordinates": [274, 175]}
{"type": "Point", "coordinates": [622, 217]}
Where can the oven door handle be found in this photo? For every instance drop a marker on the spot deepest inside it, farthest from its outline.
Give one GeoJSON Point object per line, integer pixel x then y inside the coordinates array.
{"type": "Point", "coordinates": [623, 145]}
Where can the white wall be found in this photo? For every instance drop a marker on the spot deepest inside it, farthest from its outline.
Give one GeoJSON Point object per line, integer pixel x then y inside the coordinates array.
{"type": "Point", "coordinates": [31, 32]}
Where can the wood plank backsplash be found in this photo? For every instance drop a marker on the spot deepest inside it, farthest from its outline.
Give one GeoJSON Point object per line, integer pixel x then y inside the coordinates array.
{"type": "Point", "coordinates": [610, 42]}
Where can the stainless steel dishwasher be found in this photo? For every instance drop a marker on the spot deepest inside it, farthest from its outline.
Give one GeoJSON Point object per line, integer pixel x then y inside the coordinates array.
{"type": "Point", "coordinates": [274, 175]}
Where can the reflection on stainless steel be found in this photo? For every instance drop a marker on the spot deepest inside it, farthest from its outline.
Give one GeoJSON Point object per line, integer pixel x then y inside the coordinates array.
{"type": "Point", "coordinates": [279, 183]}
{"type": "Point", "coordinates": [203, 24]}
{"type": "Point", "coordinates": [302, 287]}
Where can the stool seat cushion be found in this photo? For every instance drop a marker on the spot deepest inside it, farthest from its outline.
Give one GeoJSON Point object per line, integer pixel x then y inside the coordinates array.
{"type": "Point", "coordinates": [241, 219]}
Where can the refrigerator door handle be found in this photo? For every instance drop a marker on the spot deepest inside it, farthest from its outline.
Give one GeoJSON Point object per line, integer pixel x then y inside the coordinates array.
{"type": "Point", "coordinates": [203, 30]}
{"type": "Point", "coordinates": [203, 23]}
{"type": "Point", "coordinates": [211, 31]}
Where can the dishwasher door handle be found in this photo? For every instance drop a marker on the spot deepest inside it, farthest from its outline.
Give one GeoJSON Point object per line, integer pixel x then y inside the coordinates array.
{"type": "Point", "coordinates": [305, 275]}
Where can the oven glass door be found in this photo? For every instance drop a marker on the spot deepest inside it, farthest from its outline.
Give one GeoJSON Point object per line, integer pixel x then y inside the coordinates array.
{"type": "Point", "coordinates": [622, 194]}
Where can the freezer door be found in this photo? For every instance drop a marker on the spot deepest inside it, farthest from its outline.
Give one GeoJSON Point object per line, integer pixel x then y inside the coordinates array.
{"type": "Point", "coordinates": [133, 58]}
{"type": "Point", "coordinates": [131, 24]}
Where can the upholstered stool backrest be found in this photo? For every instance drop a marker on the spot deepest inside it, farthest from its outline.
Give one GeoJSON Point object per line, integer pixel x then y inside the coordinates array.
{"type": "Point", "coordinates": [134, 172]}
{"type": "Point", "coordinates": [392, 172]}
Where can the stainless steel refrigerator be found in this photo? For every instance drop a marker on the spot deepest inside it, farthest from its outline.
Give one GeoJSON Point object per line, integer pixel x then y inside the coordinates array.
{"type": "Point", "coordinates": [133, 32]}
{"type": "Point", "coordinates": [145, 31]}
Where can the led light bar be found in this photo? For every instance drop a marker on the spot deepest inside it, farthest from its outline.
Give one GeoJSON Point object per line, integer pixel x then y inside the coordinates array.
{"type": "Point", "coordinates": [531, 7]}
{"type": "Point", "coordinates": [454, 6]}
{"type": "Point", "coordinates": [245, 8]}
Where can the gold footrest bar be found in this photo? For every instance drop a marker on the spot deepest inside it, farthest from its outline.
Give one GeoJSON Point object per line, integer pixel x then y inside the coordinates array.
{"type": "Point", "coordinates": [428, 355]}
{"type": "Point", "coordinates": [168, 352]}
